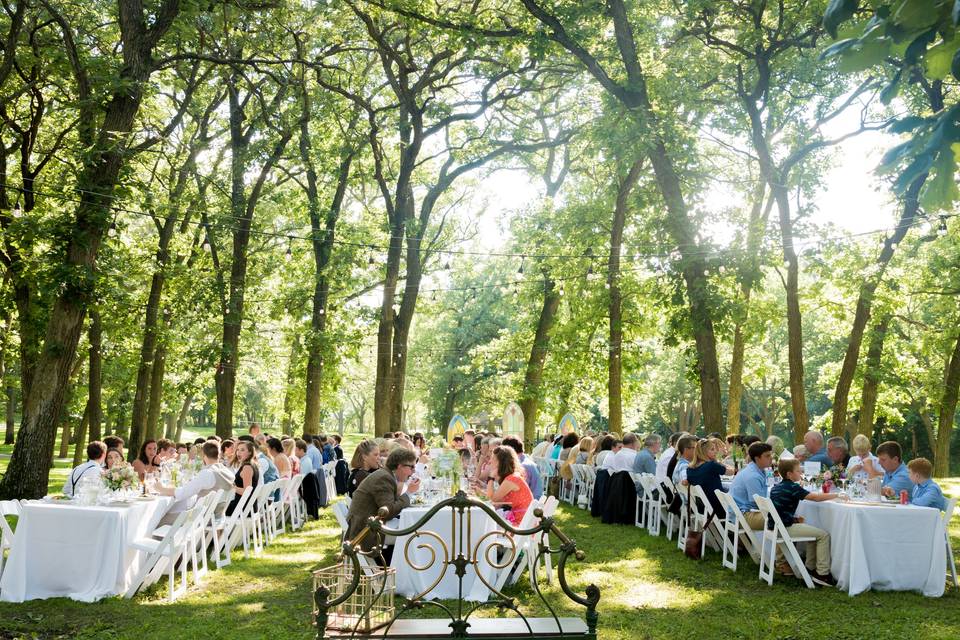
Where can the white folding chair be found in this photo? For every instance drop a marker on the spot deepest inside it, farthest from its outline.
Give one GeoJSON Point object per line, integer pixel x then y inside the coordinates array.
{"type": "Point", "coordinates": [163, 555]}
{"type": "Point", "coordinates": [251, 521]}
{"type": "Point", "coordinates": [526, 550]}
{"type": "Point", "coordinates": [11, 508]}
{"type": "Point", "coordinates": [329, 476]}
{"type": "Point", "coordinates": [292, 501]}
{"type": "Point", "coordinates": [663, 512]}
{"type": "Point", "coordinates": [735, 529]}
{"type": "Point", "coordinates": [275, 514]}
{"type": "Point", "coordinates": [702, 509]}
{"type": "Point", "coordinates": [222, 528]}
{"type": "Point", "coordinates": [774, 533]}
{"type": "Point", "coordinates": [340, 509]}
{"type": "Point", "coordinates": [590, 479]}
{"type": "Point", "coordinates": [947, 515]}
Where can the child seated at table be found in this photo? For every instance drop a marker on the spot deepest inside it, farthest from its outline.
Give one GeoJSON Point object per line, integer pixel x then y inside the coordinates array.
{"type": "Point", "coordinates": [786, 497]}
{"type": "Point", "coordinates": [926, 492]}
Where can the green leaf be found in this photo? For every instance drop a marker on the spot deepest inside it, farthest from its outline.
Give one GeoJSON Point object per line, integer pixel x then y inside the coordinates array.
{"type": "Point", "coordinates": [919, 46]}
{"type": "Point", "coordinates": [955, 65]}
{"type": "Point", "coordinates": [920, 165]}
{"type": "Point", "coordinates": [864, 56]}
{"type": "Point", "coordinates": [916, 14]}
{"type": "Point", "coordinates": [937, 59]}
{"type": "Point", "coordinates": [889, 92]}
{"type": "Point", "coordinates": [904, 125]}
{"type": "Point", "coordinates": [838, 12]}
{"type": "Point", "coordinates": [941, 191]}
{"type": "Point", "coordinates": [838, 47]}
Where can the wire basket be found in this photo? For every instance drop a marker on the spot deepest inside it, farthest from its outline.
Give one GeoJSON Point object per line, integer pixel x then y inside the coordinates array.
{"type": "Point", "coordinates": [371, 605]}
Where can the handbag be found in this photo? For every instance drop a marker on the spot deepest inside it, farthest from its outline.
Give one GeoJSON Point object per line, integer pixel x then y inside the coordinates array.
{"type": "Point", "coordinates": [694, 543]}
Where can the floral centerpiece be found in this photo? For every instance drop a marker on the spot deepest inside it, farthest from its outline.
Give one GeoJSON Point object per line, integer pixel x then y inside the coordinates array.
{"type": "Point", "coordinates": [448, 465]}
{"type": "Point", "coordinates": [120, 477]}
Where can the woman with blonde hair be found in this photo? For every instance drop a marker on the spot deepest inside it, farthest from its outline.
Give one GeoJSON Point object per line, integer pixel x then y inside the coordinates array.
{"type": "Point", "coordinates": [704, 471]}
{"type": "Point", "coordinates": [289, 450]}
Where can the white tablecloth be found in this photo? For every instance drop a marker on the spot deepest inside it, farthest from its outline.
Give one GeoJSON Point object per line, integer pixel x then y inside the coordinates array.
{"type": "Point", "coordinates": [888, 548]}
{"type": "Point", "coordinates": [411, 582]}
{"type": "Point", "coordinates": [68, 550]}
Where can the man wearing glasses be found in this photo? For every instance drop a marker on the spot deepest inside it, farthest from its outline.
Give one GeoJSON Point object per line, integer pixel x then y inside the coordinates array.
{"type": "Point", "coordinates": [389, 487]}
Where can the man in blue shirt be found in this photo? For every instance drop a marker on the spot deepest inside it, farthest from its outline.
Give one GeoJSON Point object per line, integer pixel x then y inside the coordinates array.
{"type": "Point", "coordinates": [316, 460]}
{"type": "Point", "coordinates": [813, 441]}
{"type": "Point", "coordinates": [896, 477]}
{"type": "Point", "coordinates": [926, 492]}
{"type": "Point", "coordinates": [646, 459]}
{"type": "Point", "coordinates": [530, 470]}
{"type": "Point", "coordinates": [751, 481]}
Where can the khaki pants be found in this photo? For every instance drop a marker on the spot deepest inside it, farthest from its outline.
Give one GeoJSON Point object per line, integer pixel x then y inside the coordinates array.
{"type": "Point", "coordinates": [755, 519]}
{"type": "Point", "coordinates": [818, 551]}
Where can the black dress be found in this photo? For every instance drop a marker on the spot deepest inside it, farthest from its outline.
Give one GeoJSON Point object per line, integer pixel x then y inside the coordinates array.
{"type": "Point", "coordinates": [238, 482]}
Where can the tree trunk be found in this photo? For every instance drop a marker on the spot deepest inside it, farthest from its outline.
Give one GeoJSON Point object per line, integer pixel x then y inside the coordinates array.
{"type": "Point", "coordinates": [911, 207]}
{"type": "Point", "coordinates": [80, 450]}
{"type": "Point", "coordinates": [182, 416]}
{"type": "Point", "coordinates": [156, 390]}
{"type": "Point", "coordinates": [531, 394]}
{"type": "Point", "coordinates": [65, 439]}
{"type": "Point", "coordinates": [948, 411]}
{"type": "Point", "coordinates": [614, 364]}
{"type": "Point", "coordinates": [871, 377]}
{"type": "Point", "coordinates": [11, 401]}
{"type": "Point", "coordinates": [242, 207]}
{"type": "Point", "coordinates": [287, 420]}
{"type": "Point", "coordinates": [95, 375]}
{"type": "Point", "coordinates": [170, 426]}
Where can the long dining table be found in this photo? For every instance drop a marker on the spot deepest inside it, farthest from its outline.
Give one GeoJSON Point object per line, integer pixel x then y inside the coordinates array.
{"type": "Point", "coordinates": [64, 549]}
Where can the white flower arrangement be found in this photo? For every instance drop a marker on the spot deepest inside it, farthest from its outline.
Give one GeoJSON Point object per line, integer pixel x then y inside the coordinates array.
{"type": "Point", "coordinates": [119, 477]}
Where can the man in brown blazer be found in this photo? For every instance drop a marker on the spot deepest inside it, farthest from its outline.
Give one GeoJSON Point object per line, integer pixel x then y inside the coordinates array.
{"type": "Point", "coordinates": [382, 488]}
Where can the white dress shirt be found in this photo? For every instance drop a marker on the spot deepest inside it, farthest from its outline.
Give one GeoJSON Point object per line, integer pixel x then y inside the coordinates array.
{"type": "Point", "coordinates": [186, 495]}
{"type": "Point", "coordinates": [621, 461]}
{"type": "Point", "coordinates": [663, 462]}
{"type": "Point", "coordinates": [88, 468]}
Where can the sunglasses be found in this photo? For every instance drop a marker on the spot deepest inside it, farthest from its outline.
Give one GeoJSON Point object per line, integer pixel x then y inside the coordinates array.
{"type": "Point", "coordinates": [410, 466]}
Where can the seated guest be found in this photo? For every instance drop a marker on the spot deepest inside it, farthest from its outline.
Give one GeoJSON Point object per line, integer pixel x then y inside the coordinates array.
{"type": "Point", "coordinates": [530, 471]}
{"type": "Point", "coordinates": [623, 459]}
{"type": "Point", "coordinates": [646, 459]}
{"type": "Point", "coordinates": [166, 450]}
{"type": "Point", "coordinates": [247, 474]}
{"type": "Point", "coordinates": [115, 442]}
{"type": "Point", "coordinates": [686, 446]}
{"type": "Point", "coordinates": [779, 451]}
{"type": "Point", "coordinates": [800, 453]}
{"type": "Point", "coordinates": [183, 450]}
{"type": "Point", "coordinates": [366, 460]}
{"type": "Point", "coordinates": [114, 459]}
{"type": "Point", "coordinates": [279, 458]}
{"type": "Point", "coordinates": [228, 455]}
{"type": "Point", "coordinates": [813, 441]}
{"type": "Point", "coordinates": [268, 470]}
{"type": "Point", "coordinates": [567, 444]}
{"type": "Point", "coordinates": [458, 442]}
{"type": "Point", "coordinates": [605, 450]}
{"type": "Point", "coordinates": [557, 447]}
{"type": "Point", "coordinates": [704, 471]}
{"type": "Point", "coordinates": [864, 465]}
{"type": "Point", "coordinates": [786, 497]}
{"type": "Point", "coordinates": [326, 449]}
{"type": "Point", "coordinates": [144, 463]}
{"type": "Point", "coordinates": [337, 449]}
{"type": "Point", "coordinates": [667, 456]}
{"type": "Point", "coordinates": [96, 452]}
{"type": "Point", "coordinates": [616, 444]}
{"type": "Point", "coordinates": [926, 492]}
{"type": "Point", "coordinates": [751, 481]}
{"type": "Point", "coordinates": [837, 452]}
{"type": "Point", "coordinates": [470, 440]}
{"type": "Point", "coordinates": [389, 487]}
{"type": "Point", "coordinates": [896, 477]}
{"type": "Point", "coordinates": [290, 450]}
{"type": "Point", "coordinates": [306, 466]}
{"type": "Point", "coordinates": [585, 447]}
{"type": "Point", "coordinates": [512, 491]}
{"type": "Point", "coordinates": [214, 476]}
{"type": "Point", "coordinates": [595, 449]}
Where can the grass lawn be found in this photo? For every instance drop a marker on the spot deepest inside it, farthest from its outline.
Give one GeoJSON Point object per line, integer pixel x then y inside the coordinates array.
{"type": "Point", "coordinates": [649, 590]}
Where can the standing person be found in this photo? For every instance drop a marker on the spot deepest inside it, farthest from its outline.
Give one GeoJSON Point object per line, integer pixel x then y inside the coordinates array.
{"type": "Point", "coordinates": [513, 491]}
{"type": "Point", "coordinates": [144, 462]}
{"type": "Point", "coordinates": [390, 487]}
{"type": "Point", "coordinates": [366, 460]}
{"type": "Point", "coordinates": [786, 497]}
{"type": "Point", "coordinates": [751, 481]}
{"type": "Point", "coordinates": [96, 452]}
{"type": "Point", "coordinates": [247, 475]}
{"type": "Point", "coordinates": [646, 459]}
{"type": "Point", "coordinates": [279, 458]}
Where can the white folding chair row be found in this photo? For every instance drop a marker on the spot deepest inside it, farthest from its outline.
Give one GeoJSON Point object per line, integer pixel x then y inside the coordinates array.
{"type": "Point", "coordinates": [294, 503]}
{"type": "Point", "coordinates": [735, 531]}
{"type": "Point", "coordinates": [7, 508]}
{"type": "Point", "coordinates": [329, 475]}
{"type": "Point", "coordinates": [775, 534]}
{"type": "Point", "coordinates": [644, 497]}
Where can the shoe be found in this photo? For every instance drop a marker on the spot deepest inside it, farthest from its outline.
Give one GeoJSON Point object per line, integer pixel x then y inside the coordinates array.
{"type": "Point", "coordinates": [823, 579]}
{"type": "Point", "coordinates": [783, 568]}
